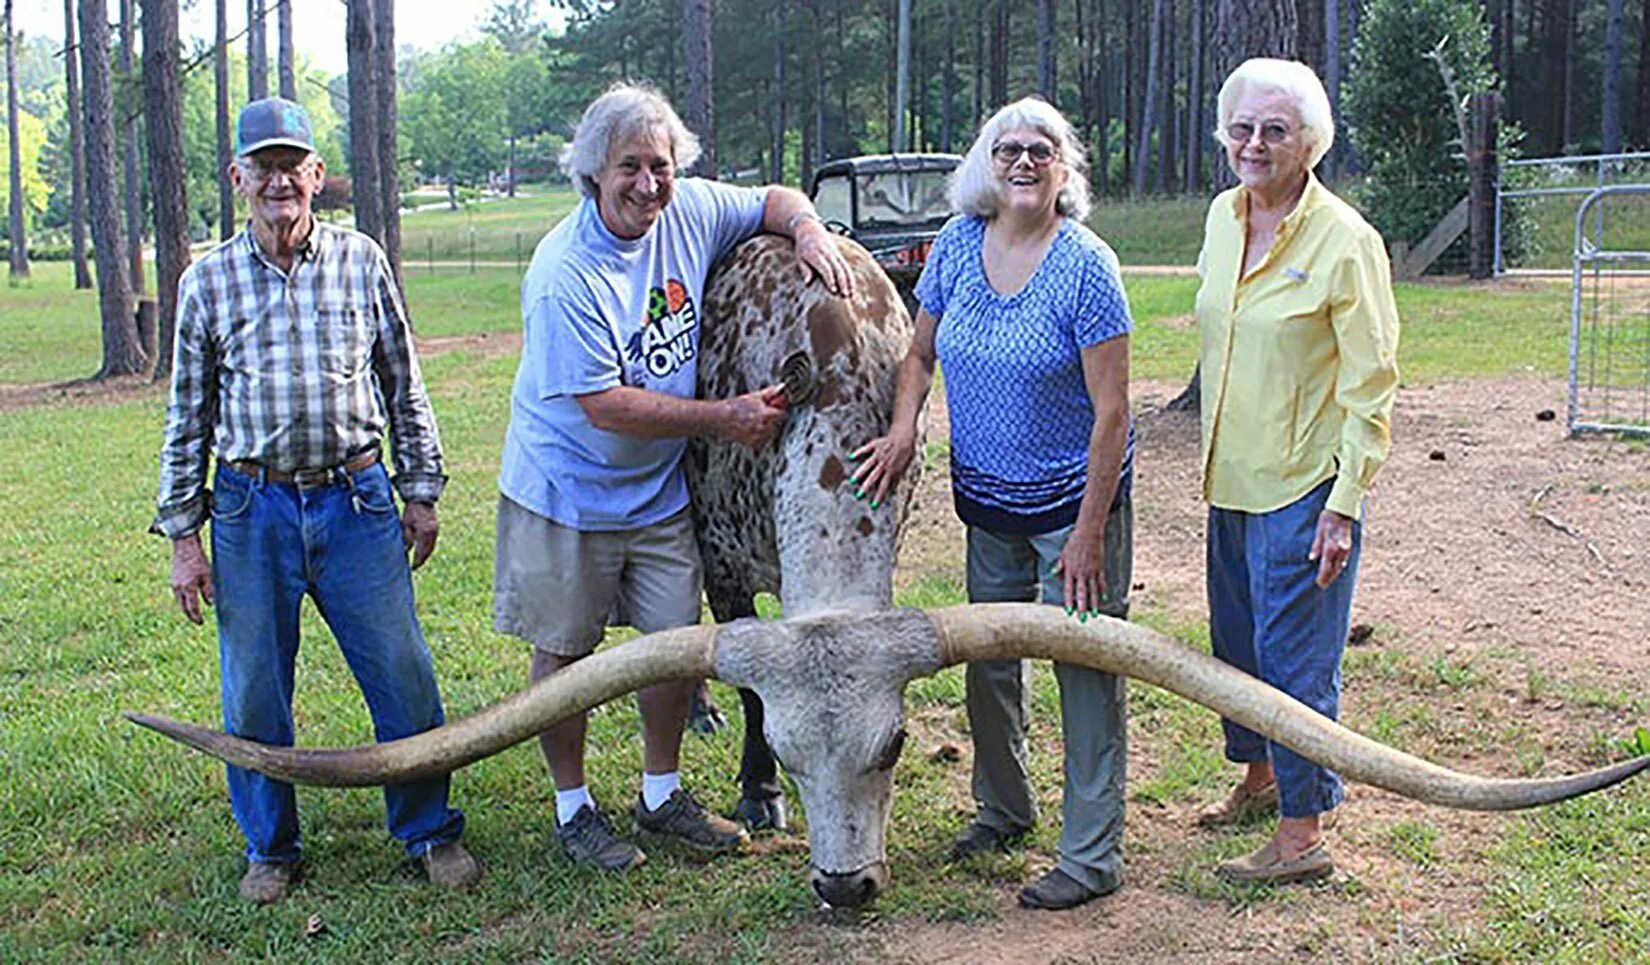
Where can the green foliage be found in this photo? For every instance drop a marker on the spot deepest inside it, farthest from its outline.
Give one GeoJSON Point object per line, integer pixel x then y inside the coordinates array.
{"type": "Point", "coordinates": [1399, 112]}
{"type": "Point", "coordinates": [452, 113]}
{"type": "Point", "coordinates": [31, 137]}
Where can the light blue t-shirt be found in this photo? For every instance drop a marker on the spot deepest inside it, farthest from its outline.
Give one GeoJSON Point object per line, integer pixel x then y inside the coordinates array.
{"type": "Point", "coordinates": [598, 312]}
{"type": "Point", "coordinates": [1020, 409]}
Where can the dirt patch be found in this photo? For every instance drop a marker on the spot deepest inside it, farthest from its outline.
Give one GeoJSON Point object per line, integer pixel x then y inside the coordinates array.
{"type": "Point", "coordinates": [123, 388]}
{"type": "Point", "coordinates": [1463, 565]}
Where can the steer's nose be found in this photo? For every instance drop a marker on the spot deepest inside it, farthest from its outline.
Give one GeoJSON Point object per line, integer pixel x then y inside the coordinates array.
{"type": "Point", "coordinates": [851, 889]}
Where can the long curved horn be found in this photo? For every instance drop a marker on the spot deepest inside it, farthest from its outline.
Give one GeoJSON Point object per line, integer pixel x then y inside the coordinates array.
{"type": "Point", "coordinates": [669, 655]}
{"type": "Point", "coordinates": [998, 631]}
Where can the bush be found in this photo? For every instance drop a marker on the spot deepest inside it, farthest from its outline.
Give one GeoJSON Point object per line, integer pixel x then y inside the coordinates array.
{"type": "Point", "coordinates": [1400, 117]}
{"type": "Point", "coordinates": [44, 252]}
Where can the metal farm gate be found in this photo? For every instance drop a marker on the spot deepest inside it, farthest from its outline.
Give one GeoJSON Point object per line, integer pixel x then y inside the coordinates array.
{"type": "Point", "coordinates": [1609, 321]}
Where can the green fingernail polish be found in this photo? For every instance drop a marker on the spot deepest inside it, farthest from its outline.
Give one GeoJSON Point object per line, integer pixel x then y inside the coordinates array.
{"type": "Point", "coordinates": [876, 504]}
{"type": "Point", "coordinates": [859, 494]}
{"type": "Point", "coordinates": [1070, 612]}
{"type": "Point", "coordinates": [1083, 617]}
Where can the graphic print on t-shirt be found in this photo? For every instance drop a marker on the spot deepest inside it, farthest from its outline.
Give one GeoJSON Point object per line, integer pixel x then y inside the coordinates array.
{"type": "Point", "coordinates": [665, 341]}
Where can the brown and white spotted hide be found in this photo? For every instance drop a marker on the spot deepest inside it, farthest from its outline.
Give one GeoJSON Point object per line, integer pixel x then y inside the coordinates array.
{"type": "Point", "coordinates": [784, 519]}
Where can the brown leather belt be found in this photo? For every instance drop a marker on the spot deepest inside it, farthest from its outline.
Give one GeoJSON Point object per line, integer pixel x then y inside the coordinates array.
{"type": "Point", "coordinates": [307, 478]}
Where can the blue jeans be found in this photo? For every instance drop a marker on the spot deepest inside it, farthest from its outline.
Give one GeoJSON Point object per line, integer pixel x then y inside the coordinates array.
{"type": "Point", "coordinates": [1268, 618]}
{"type": "Point", "coordinates": [272, 544]}
{"type": "Point", "coordinates": [1009, 568]}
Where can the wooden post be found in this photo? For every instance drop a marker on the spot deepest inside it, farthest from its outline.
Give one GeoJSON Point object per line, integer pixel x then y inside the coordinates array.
{"type": "Point", "coordinates": [1482, 168]}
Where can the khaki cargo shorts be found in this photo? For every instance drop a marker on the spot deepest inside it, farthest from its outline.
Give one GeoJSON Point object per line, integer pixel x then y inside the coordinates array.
{"type": "Point", "coordinates": [558, 588]}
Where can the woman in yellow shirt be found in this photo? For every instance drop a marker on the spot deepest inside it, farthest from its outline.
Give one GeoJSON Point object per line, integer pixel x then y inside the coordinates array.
{"type": "Point", "coordinates": [1300, 336]}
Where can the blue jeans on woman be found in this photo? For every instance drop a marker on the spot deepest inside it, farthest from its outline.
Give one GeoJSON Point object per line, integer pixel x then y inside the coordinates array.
{"type": "Point", "coordinates": [341, 545]}
{"type": "Point", "coordinates": [1268, 618]}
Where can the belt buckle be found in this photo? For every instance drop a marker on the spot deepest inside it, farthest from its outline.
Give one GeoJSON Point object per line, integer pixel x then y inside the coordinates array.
{"type": "Point", "coordinates": [312, 478]}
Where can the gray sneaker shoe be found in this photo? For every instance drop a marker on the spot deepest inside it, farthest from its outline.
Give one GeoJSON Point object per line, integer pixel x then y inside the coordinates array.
{"type": "Point", "coordinates": [684, 818]}
{"type": "Point", "coordinates": [589, 838]}
{"type": "Point", "coordinates": [266, 882]}
{"type": "Point", "coordinates": [450, 865]}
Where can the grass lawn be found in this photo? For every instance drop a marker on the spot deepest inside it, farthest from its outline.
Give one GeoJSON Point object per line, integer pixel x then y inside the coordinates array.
{"type": "Point", "coordinates": [117, 846]}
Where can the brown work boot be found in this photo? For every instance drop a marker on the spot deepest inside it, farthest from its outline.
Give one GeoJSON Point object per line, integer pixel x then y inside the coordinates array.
{"type": "Point", "coordinates": [684, 818]}
{"type": "Point", "coordinates": [266, 882]}
{"type": "Point", "coordinates": [450, 865]}
{"type": "Point", "coordinates": [1268, 866]}
{"type": "Point", "coordinates": [1240, 807]}
{"type": "Point", "coordinates": [589, 838]}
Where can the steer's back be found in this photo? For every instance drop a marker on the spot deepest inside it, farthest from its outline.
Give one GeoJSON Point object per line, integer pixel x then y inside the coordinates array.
{"type": "Point", "coordinates": [784, 519]}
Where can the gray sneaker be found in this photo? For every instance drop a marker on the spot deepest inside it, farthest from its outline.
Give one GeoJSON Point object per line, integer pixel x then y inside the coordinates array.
{"type": "Point", "coordinates": [266, 882]}
{"type": "Point", "coordinates": [589, 838]}
{"type": "Point", "coordinates": [684, 818]}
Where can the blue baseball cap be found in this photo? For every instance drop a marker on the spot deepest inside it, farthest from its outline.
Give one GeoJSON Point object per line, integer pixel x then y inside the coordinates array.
{"type": "Point", "coordinates": [272, 122]}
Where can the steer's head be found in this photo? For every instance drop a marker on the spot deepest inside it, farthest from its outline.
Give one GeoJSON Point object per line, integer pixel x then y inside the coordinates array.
{"type": "Point", "coordinates": [831, 685]}
{"type": "Point", "coordinates": [831, 690]}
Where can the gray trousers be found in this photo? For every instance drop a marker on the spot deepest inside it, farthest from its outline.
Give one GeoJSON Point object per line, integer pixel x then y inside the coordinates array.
{"type": "Point", "coordinates": [1007, 568]}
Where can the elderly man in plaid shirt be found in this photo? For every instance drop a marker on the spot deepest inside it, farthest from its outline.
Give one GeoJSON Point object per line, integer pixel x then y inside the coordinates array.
{"type": "Point", "coordinates": [293, 357]}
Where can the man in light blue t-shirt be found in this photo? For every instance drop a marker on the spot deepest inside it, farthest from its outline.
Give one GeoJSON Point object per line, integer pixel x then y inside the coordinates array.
{"type": "Point", "coordinates": [593, 521]}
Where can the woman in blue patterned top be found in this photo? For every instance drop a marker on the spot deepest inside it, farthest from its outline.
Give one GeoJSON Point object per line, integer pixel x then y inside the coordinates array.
{"type": "Point", "coordinates": [1024, 306]}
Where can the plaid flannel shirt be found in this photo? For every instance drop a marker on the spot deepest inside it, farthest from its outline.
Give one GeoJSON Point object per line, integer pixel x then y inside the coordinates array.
{"type": "Point", "coordinates": [296, 370]}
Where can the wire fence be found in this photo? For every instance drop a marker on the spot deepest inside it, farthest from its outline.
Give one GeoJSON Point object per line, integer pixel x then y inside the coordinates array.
{"type": "Point", "coordinates": [1541, 194]}
{"type": "Point", "coordinates": [1609, 318]}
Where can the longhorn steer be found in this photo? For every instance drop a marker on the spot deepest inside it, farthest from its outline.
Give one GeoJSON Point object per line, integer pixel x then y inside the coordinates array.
{"type": "Point", "coordinates": [784, 520]}
{"type": "Point", "coordinates": [832, 679]}
{"type": "Point", "coordinates": [833, 686]}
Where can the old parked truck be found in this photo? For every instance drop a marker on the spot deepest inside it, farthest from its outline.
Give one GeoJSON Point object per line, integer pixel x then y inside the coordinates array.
{"type": "Point", "coordinates": [893, 204]}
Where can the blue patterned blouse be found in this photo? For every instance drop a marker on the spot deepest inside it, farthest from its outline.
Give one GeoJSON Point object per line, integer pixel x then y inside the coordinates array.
{"type": "Point", "coordinates": [1020, 410]}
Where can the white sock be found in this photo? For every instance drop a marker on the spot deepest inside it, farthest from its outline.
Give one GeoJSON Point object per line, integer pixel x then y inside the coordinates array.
{"type": "Point", "coordinates": [657, 788]}
{"type": "Point", "coordinates": [569, 802]}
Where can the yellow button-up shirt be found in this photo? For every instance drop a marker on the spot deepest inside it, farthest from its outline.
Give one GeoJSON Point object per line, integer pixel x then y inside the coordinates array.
{"type": "Point", "coordinates": [1299, 356]}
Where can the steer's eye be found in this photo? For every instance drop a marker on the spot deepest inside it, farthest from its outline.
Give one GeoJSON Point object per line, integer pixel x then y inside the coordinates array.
{"type": "Point", "coordinates": [891, 751]}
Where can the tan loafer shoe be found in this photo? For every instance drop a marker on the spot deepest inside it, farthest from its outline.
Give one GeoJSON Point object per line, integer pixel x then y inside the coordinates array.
{"type": "Point", "coordinates": [1240, 807]}
{"type": "Point", "coordinates": [1267, 866]}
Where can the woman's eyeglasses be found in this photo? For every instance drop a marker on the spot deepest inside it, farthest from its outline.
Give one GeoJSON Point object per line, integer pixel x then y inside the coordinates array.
{"type": "Point", "coordinates": [1007, 152]}
{"type": "Point", "coordinates": [1272, 132]}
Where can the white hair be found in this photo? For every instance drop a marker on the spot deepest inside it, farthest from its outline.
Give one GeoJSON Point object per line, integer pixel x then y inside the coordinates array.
{"type": "Point", "coordinates": [974, 185]}
{"type": "Point", "coordinates": [626, 109]}
{"type": "Point", "coordinates": [1297, 82]}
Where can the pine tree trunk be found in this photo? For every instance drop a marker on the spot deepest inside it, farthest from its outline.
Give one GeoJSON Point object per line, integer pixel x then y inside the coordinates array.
{"type": "Point", "coordinates": [1195, 98]}
{"type": "Point", "coordinates": [129, 144]}
{"type": "Point", "coordinates": [122, 354]}
{"type": "Point", "coordinates": [948, 80]}
{"type": "Point", "coordinates": [77, 150]}
{"type": "Point", "coordinates": [1148, 106]}
{"type": "Point", "coordinates": [14, 151]}
{"type": "Point", "coordinates": [1103, 100]}
{"type": "Point", "coordinates": [698, 18]}
{"type": "Point", "coordinates": [1332, 74]}
{"type": "Point", "coordinates": [385, 78]}
{"type": "Point", "coordinates": [364, 167]}
{"type": "Point", "coordinates": [1046, 79]}
{"type": "Point", "coordinates": [1641, 113]}
{"type": "Point", "coordinates": [1611, 126]}
{"type": "Point", "coordinates": [163, 107]}
{"type": "Point", "coordinates": [257, 52]}
{"type": "Point", "coordinates": [777, 167]}
{"type": "Point", "coordinates": [226, 156]}
{"type": "Point", "coordinates": [902, 74]}
{"type": "Point", "coordinates": [979, 63]}
{"type": "Point", "coordinates": [1170, 121]}
{"type": "Point", "coordinates": [286, 68]}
